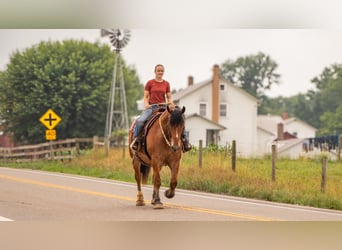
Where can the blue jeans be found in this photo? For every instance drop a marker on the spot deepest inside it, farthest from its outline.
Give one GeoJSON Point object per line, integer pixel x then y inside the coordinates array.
{"type": "Point", "coordinates": [146, 114]}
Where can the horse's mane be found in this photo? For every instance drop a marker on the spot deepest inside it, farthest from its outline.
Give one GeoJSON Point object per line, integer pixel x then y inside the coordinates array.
{"type": "Point", "coordinates": [176, 117]}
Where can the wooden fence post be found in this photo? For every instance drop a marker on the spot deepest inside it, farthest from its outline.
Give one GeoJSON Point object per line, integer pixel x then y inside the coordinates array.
{"type": "Point", "coordinates": [324, 172]}
{"type": "Point", "coordinates": [274, 157]}
{"type": "Point", "coordinates": [123, 149]}
{"type": "Point", "coordinates": [200, 153]}
{"type": "Point", "coordinates": [51, 150]}
{"type": "Point", "coordinates": [95, 142]}
{"type": "Point", "coordinates": [339, 147]}
{"type": "Point", "coordinates": [77, 147]}
{"type": "Point", "coordinates": [234, 155]}
{"type": "Point", "coordinates": [226, 151]}
{"type": "Point", "coordinates": [106, 145]}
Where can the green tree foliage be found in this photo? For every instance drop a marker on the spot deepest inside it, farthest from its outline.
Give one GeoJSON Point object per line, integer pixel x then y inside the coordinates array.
{"type": "Point", "coordinates": [253, 73]}
{"type": "Point", "coordinates": [299, 106]}
{"type": "Point", "coordinates": [71, 77]}
{"type": "Point", "coordinates": [321, 107]}
{"type": "Point", "coordinates": [327, 99]}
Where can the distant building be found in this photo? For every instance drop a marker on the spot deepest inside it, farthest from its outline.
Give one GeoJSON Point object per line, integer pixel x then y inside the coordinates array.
{"type": "Point", "coordinates": [289, 134]}
{"type": "Point", "coordinates": [5, 139]}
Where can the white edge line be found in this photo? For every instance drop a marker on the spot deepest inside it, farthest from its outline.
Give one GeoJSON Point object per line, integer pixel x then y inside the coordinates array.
{"type": "Point", "coordinates": [4, 219]}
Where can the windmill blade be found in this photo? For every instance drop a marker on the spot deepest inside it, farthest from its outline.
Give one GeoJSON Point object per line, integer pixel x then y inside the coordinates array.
{"type": "Point", "coordinates": [106, 32]}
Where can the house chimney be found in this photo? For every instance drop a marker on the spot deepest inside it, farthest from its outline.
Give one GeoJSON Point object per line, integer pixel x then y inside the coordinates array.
{"type": "Point", "coordinates": [190, 81]}
{"type": "Point", "coordinates": [280, 131]}
{"type": "Point", "coordinates": [215, 93]}
{"type": "Point", "coordinates": [285, 116]}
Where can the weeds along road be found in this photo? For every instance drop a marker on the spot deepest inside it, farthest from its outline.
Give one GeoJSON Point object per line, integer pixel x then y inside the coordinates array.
{"type": "Point", "coordinates": [30, 195]}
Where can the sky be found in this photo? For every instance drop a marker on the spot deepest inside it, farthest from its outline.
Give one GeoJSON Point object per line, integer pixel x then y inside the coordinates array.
{"type": "Point", "coordinates": [301, 54]}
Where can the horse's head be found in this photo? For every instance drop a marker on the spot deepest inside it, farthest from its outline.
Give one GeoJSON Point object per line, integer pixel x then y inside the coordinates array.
{"type": "Point", "coordinates": [176, 126]}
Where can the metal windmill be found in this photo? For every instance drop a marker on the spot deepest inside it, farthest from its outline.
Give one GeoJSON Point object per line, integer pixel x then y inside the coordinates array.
{"type": "Point", "coordinates": [117, 105]}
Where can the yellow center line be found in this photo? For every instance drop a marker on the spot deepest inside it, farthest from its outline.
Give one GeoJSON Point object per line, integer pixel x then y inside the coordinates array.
{"type": "Point", "coordinates": [119, 197]}
{"type": "Point", "coordinates": [220, 212]}
{"type": "Point", "coordinates": [78, 190]}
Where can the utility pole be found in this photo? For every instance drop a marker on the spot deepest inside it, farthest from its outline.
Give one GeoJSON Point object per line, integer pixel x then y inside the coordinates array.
{"type": "Point", "coordinates": [117, 106]}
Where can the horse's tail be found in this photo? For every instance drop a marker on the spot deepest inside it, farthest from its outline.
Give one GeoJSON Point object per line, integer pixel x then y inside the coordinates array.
{"type": "Point", "coordinates": [145, 171]}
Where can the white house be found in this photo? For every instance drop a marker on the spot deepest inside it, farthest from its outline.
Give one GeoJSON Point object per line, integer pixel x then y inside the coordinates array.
{"type": "Point", "coordinates": [288, 134]}
{"type": "Point", "coordinates": [220, 112]}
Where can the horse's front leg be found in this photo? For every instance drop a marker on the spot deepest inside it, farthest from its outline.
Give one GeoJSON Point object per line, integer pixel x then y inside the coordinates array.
{"type": "Point", "coordinates": [157, 204]}
{"type": "Point", "coordinates": [170, 193]}
{"type": "Point", "coordinates": [140, 197]}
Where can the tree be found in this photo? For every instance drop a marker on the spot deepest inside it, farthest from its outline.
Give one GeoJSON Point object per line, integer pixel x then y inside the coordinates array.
{"type": "Point", "coordinates": [71, 77]}
{"type": "Point", "coordinates": [253, 73]}
{"type": "Point", "coordinates": [327, 99]}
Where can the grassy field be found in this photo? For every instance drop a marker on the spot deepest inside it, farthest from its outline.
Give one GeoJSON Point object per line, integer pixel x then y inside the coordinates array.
{"type": "Point", "coordinates": [297, 181]}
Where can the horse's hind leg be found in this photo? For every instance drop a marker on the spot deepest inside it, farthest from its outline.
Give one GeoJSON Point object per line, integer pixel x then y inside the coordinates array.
{"type": "Point", "coordinates": [140, 197]}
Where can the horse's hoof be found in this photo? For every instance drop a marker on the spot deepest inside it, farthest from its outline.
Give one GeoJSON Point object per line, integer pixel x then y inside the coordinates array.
{"type": "Point", "coordinates": [158, 205]}
{"type": "Point", "coordinates": [168, 194]}
{"type": "Point", "coordinates": [140, 199]}
{"type": "Point", "coordinates": [140, 203]}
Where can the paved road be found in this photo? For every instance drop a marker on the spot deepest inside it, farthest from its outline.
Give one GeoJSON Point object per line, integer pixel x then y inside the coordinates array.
{"type": "Point", "coordinates": [30, 195]}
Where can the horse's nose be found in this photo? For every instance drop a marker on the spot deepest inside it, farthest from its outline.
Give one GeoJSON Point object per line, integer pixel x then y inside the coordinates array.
{"type": "Point", "coordinates": [175, 148]}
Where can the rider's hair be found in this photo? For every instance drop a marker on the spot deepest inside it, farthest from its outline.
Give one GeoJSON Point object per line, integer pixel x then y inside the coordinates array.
{"type": "Point", "coordinates": [155, 67]}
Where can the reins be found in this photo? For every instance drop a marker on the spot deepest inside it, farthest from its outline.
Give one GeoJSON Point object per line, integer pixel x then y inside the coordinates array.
{"type": "Point", "coordinates": [161, 129]}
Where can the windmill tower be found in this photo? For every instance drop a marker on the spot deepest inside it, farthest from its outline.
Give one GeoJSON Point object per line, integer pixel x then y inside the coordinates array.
{"type": "Point", "coordinates": [117, 117]}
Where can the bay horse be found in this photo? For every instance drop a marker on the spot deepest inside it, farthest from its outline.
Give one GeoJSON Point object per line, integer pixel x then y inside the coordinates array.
{"type": "Point", "coordinates": [162, 146]}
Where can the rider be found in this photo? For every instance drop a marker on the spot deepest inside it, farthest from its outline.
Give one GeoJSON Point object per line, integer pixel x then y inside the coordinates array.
{"type": "Point", "coordinates": [155, 91]}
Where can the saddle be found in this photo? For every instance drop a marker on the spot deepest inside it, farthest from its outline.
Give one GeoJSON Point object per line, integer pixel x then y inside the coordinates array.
{"type": "Point", "coordinates": [148, 124]}
{"type": "Point", "coordinates": [155, 115]}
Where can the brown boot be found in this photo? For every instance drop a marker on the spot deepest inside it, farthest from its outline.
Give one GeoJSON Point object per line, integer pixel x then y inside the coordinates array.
{"type": "Point", "coordinates": [135, 144]}
{"type": "Point", "coordinates": [186, 145]}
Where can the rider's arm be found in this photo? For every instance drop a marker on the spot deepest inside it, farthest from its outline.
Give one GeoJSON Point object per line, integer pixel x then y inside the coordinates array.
{"type": "Point", "coordinates": [169, 98]}
{"type": "Point", "coordinates": [146, 99]}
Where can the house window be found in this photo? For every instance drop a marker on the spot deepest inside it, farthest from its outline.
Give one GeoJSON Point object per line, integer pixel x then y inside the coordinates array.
{"type": "Point", "coordinates": [222, 87]}
{"type": "Point", "coordinates": [223, 110]}
{"type": "Point", "coordinates": [203, 109]}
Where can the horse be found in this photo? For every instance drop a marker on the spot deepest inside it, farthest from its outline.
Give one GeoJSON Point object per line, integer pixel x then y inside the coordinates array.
{"type": "Point", "coordinates": [162, 146]}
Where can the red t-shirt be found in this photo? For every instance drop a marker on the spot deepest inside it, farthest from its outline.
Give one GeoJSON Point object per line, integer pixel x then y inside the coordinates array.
{"type": "Point", "coordinates": [157, 91]}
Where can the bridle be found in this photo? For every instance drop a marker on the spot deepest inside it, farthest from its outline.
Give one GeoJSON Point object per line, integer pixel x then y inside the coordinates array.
{"type": "Point", "coordinates": [167, 141]}
{"type": "Point", "coordinates": [162, 131]}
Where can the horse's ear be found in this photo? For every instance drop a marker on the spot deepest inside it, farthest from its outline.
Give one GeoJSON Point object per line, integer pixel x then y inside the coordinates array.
{"type": "Point", "coordinates": [183, 109]}
{"type": "Point", "coordinates": [168, 108]}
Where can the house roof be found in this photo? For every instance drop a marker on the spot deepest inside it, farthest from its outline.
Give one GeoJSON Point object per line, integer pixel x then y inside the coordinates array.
{"type": "Point", "coordinates": [265, 130]}
{"type": "Point", "coordinates": [194, 115]}
{"type": "Point", "coordinates": [288, 144]}
{"type": "Point", "coordinates": [293, 119]}
{"type": "Point", "coordinates": [269, 122]}
{"type": "Point", "coordinates": [190, 89]}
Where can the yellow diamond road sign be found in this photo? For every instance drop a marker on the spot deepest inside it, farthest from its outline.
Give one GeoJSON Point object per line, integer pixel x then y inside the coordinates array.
{"type": "Point", "coordinates": [50, 119]}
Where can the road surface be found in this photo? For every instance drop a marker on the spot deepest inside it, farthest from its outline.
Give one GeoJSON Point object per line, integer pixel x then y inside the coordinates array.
{"type": "Point", "coordinates": [31, 195]}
